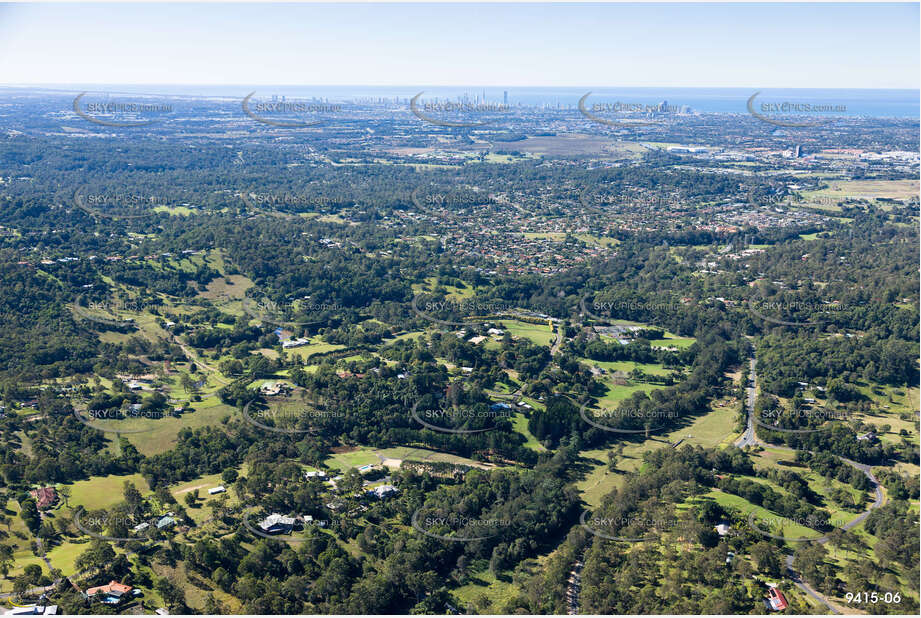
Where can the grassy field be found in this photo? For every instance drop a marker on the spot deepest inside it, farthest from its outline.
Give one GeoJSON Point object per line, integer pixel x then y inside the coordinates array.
{"type": "Point", "coordinates": [673, 341]}
{"type": "Point", "coordinates": [615, 393]}
{"type": "Point", "coordinates": [867, 189]}
{"type": "Point", "coordinates": [890, 404]}
{"type": "Point", "coordinates": [520, 423]}
{"type": "Point", "coordinates": [628, 366]}
{"type": "Point", "coordinates": [364, 455]}
{"type": "Point", "coordinates": [354, 458]}
{"type": "Point", "coordinates": [538, 333]}
{"type": "Point", "coordinates": [103, 491]}
{"type": "Point", "coordinates": [707, 431]}
{"type": "Point", "coordinates": [162, 435]}
{"type": "Point", "coordinates": [202, 484]}
{"type": "Point", "coordinates": [486, 593]}
{"type": "Point", "coordinates": [18, 538]}
{"type": "Point", "coordinates": [762, 515]}
{"type": "Point", "coordinates": [454, 293]}
{"type": "Point", "coordinates": [231, 286]}
{"type": "Point", "coordinates": [601, 241]}
{"type": "Point", "coordinates": [316, 346]}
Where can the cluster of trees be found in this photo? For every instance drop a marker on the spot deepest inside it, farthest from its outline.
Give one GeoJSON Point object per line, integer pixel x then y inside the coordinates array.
{"type": "Point", "coordinates": [835, 363]}
{"type": "Point", "coordinates": [400, 570]}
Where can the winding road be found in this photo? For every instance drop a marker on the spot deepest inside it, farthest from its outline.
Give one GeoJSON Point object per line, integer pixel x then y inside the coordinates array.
{"type": "Point", "coordinates": [749, 438]}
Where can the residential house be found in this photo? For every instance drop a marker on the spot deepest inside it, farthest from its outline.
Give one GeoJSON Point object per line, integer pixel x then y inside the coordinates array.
{"type": "Point", "coordinates": [276, 524]}
{"type": "Point", "coordinates": [45, 497]}
{"type": "Point", "coordinates": [113, 592]}
{"type": "Point", "coordinates": [384, 491]}
{"type": "Point", "coordinates": [775, 601]}
{"type": "Point", "coordinates": [295, 343]}
{"type": "Point", "coordinates": [165, 521]}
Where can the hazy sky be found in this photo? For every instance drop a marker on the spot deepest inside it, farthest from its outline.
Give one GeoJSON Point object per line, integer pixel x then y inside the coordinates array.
{"type": "Point", "coordinates": [727, 45]}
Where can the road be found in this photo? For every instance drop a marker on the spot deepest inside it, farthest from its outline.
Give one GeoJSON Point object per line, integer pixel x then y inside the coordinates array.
{"type": "Point", "coordinates": [802, 585]}
{"type": "Point", "coordinates": [555, 348]}
{"type": "Point", "coordinates": [574, 589]}
{"type": "Point", "coordinates": [749, 438]}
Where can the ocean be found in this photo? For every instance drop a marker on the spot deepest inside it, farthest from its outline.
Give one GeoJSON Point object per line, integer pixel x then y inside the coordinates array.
{"type": "Point", "coordinates": [850, 102]}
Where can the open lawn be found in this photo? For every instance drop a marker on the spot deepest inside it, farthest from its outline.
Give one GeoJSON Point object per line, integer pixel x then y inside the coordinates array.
{"type": "Point", "coordinates": [538, 333]}
{"type": "Point", "coordinates": [708, 431]}
{"type": "Point", "coordinates": [392, 457]}
{"type": "Point", "coordinates": [162, 435]}
{"type": "Point", "coordinates": [867, 189]}
{"type": "Point", "coordinates": [103, 491]}
{"type": "Point", "coordinates": [628, 366]}
{"type": "Point", "coordinates": [673, 341]}
{"type": "Point", "coordinates": [352, 458]}
{"type": "Point", "coordinates": [615, 393]}
{"type": "Point", "coordinates": [316, 346]}
{"type": "Point", "coordinates": [200, 512]}
{"type": "Point", "coordinates": [231, 286]}
{"type": "Point", "coordinates": [520, 423]}
{"type": "Point", "coordinates": [486, 594]}
{"type": "Point", "coordinates": [743, 507]}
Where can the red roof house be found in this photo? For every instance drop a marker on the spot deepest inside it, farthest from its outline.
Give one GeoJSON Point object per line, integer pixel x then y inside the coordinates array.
{"type": "Point", "coordinates": [777, 600]}
{"type": "Point", "coordinates": [44, 497]}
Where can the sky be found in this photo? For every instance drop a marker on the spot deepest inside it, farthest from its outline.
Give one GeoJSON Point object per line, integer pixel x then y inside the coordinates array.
{"type": "Point", "coordinates": [501, 45]}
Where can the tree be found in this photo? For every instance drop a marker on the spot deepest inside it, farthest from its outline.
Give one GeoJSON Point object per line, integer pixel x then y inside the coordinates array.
{"type": "Point", "coordinates": [30, 515]}
{"type": "Point", "coordinates": [172, 595]}
{"type": "Point", "coordinates": [6, 559]}
{"type": "Point", "coordinates": [185, 380]}
{"type": "Point", "coordinates": [612, 461]}
{"type": "Point", "coordinates": [765, 558]}
{"type": "Point", "coordinates": [351, 481]}
{"type": "Point", "coordinates": [21, 584]}
{"type": "Point", "coordinates": [33, 572]}
{"type": "Point", "coordinates": [133, 497]}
